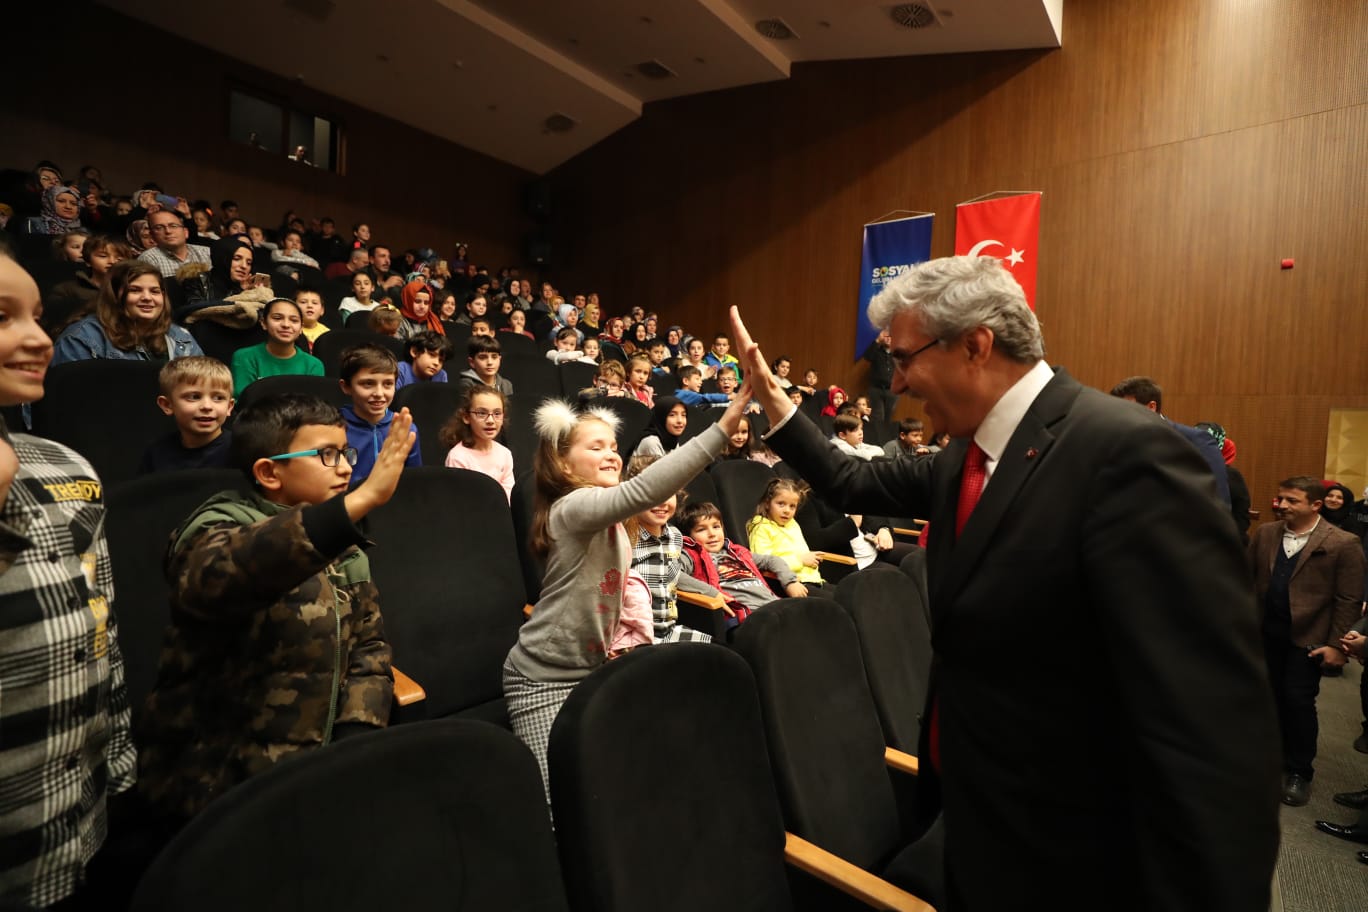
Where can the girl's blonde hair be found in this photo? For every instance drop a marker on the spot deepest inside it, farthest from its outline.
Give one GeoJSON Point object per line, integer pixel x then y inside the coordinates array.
{"type": "Point", "coordinates": [456, 430]}
{"type": "Point", "coordinates": [557, 423]}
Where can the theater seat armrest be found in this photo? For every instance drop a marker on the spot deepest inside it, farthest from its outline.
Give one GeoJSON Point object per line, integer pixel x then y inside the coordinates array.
{"type": "Point", "coordinates": [711, 602]}
{"type": "Point", "coordinates": [406, 690]}
{"type": "Point", "coordinates": [836, 558]}
{"type": "Point", "coordinates": [906, 533]}
{"type": "Point", "coordinates": [903, 763]}
{"type": "Point", "coordinates": [846, 877]}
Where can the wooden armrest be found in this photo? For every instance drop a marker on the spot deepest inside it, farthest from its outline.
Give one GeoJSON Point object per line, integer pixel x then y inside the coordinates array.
{"type": "Point", "coordinates": [1253, 514]}
{"type": "Point", "coordinates": [902, 762]}
{"type": "Point", "coordinates": [527, 611]}
{"type": "Point", "coordinates": [836, 558]}
{"type": "Point", "coordinates": [844, 876]}
{"type": "Point", "coordinates": [711, 602]}
{"type": "Point", "coordinates": [406, 690]}
{"type": "Point", "coordinates": [907, 533]}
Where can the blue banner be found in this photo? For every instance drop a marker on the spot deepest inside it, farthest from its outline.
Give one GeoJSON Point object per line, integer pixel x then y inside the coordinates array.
{"type": "Point", "coordinates": [890, 249]}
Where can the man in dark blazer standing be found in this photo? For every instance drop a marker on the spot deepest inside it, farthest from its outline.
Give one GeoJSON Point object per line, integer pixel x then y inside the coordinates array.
{"type": "Point", "coordinates": [1308, 576]}
{"type": "Point", "coordinates": [1100, 731]}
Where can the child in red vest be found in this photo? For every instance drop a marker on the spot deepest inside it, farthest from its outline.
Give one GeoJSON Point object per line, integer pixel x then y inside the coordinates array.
{"type": "Point", "coordinates": [739, 575]}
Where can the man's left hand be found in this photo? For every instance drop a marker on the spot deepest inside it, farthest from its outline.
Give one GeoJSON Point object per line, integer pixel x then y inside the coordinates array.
{"type": "Point", "coordinates": [1329, 655]}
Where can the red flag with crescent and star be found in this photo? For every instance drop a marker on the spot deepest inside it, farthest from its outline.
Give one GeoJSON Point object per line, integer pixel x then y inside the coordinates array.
{"type": "Point", "coordinates": [1008, 228]}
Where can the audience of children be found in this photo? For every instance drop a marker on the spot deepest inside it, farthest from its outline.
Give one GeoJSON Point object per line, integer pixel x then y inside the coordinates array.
{"type": "Point", "coordinates": [578, 510]}
{"type": "Point", "coordinates": [197, 392]}
{"type": "Point", "coordinates": [276, 643]}
{"type": "Point", "coordinates": [472, 434]}
{"type": "Point", "coordinates": [428, 353]}
{"type": "Point", "coordinates": [279, 355]}
{"type": "Point", "coordinates": [368, 375]}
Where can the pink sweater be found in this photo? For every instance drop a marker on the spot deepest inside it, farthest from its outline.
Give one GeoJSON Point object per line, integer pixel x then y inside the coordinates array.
{"type": "Point", "coordinates": [496, 463]}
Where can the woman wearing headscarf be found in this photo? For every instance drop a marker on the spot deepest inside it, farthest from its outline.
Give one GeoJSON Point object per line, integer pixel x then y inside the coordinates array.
{"type": "Point", "coordinates": [61, 212]}
{"type": "Point", "coordinates": [230, 273]}
{"type": "Point", "coordinates": [567, 317]}
{"type": "Point", "coordinates": [417, 311]}
{"type": "Point", "coordinates": [1338, 507]}
{"type": "Point", "coordinates": [669, 418]}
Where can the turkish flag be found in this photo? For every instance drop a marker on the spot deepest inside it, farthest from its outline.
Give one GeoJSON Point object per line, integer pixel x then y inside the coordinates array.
{"type": "Point", "coordinates": [1008, 228]}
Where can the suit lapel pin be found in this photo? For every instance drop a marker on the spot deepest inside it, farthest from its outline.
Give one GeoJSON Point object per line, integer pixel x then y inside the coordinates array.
{"type": "Point", "coordinates": [1032, 453]}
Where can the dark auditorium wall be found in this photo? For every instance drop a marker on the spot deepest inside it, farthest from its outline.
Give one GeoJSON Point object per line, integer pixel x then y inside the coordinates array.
{"type": "Point", "coordinates": [165, 119]}
{"type": "Point", "coordinates": [1184, 148]}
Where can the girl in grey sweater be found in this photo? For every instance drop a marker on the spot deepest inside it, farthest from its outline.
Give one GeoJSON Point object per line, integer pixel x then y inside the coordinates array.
{"type": "Point", "coordinates": [577, 528]}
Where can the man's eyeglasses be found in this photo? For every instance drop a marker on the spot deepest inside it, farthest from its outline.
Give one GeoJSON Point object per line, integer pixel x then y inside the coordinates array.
{"type": "Point", "coordinates": [902, 359]}
{"type": "Point", "coordinates": [486, 414]}
{"type": "Point", "coordinates": [329, 456]}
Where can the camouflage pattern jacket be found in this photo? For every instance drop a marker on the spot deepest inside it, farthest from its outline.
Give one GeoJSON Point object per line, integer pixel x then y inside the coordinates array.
{"type": "Point", "coordinates": [275, 638]}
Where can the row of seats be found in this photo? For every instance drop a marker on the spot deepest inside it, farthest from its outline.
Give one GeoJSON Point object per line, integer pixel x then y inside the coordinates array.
{"type": "Point", "coordinates": [795, 767]}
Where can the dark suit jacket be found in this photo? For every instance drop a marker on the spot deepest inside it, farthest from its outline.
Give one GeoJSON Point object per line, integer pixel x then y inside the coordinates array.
{"type": "Point", "coordinates": [1108, 737]}
{"type": "Point", "coordinates": [1327, 583]}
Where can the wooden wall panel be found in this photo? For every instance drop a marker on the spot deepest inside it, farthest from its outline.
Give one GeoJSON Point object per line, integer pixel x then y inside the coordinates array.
{"type": "Point", "coordinates": [164, 117]}
{"type": "Point", "coordinates": [1184, 148]}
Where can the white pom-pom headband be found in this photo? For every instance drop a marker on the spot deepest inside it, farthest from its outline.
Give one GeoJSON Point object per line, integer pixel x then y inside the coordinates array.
{"type": "Point", "coordinates": [554, 419]}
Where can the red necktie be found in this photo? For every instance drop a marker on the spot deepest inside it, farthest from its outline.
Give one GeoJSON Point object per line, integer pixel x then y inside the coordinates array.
{"type": "Point", "coordinates": [972, 480]}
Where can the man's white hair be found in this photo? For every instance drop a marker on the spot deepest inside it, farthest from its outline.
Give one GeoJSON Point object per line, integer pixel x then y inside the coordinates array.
{"type": "Point", "coordinates": [952, 295]}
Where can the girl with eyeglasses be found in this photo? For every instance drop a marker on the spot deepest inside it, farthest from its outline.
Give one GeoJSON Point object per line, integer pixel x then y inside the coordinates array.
{"type": "Point", "coordinates": [471, 434]}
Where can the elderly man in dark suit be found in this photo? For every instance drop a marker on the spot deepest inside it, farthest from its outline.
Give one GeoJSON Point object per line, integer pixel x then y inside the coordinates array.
{"type": "Point", "coordinates": [1308, 576]}
{"type": "Point", "coordinates": [1121, 751]}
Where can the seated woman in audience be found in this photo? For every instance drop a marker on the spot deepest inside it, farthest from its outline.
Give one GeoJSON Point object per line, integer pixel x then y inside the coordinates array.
{"type": "Point", "coordinates": [417, 311]}
{"type": "Point", "coordinates": [589, 320]}
{"type": "Point", "coordinates": [291, 251]}
{"type": "Point", "coordinates": [673, 337]}
{"type": "Point", "coordinates": [139, 236]}
{"type": "Point", "coordinates": [131, 322]}
{"type": "Point", "coordinates": [669, 418]}
{"type": "Point", "coordinates": [60, 213]}
{"type": "Point", "coordinates": [472, 431]}
{"type": "Point", "coordinates": [74, 298]}
{"type": "Point", "coordinates": [283, 321]}
{"type": "Point", "coordinates": [567, 318]}
{"type": "Point", "coordinates": [637, 339]}
{"type": "Point", "coordinates": [774, 530]}
{"type": "Point", "coordinates": [230, 274]}
{"type": "Point", "coordinates": [578, 505]}
{"type": "Point", "coordinates": [613, 330]}
{"type": "Point", "coordinates": [362, 288]}
{"type": "Point", "coordinates": [66, 248]}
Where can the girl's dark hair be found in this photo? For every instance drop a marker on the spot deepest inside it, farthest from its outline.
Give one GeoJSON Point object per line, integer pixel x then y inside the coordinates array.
{"type": "Point", "coordinates": [456, 430]}
{"type": "Point", "coordinates": [124, 331]}
{"type": "Point", "coordinates": [266, 311]}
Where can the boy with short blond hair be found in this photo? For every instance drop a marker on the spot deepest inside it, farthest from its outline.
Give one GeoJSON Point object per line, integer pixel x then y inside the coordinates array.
{"type": "Point", "coordinates": [276, 645]}
{"type": "Point", "coordinates": [610, 381]}
{"type": "Point", "coordinates": [485, 356]}
{"type": "Point", "coordinates": [198, 393]}
{"type": "Point", "coordinates": [369, 374]}
{"type": "Point", "coordinates": [310, 312]}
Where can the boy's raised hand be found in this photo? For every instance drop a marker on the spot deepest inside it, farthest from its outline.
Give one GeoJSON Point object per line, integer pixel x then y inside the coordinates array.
{"type": "Point", "coordinates": [379, 486]}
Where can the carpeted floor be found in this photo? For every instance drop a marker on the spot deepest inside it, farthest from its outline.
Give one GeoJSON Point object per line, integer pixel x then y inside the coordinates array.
{"type": "Point", "coordinates": [1316, 872]}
